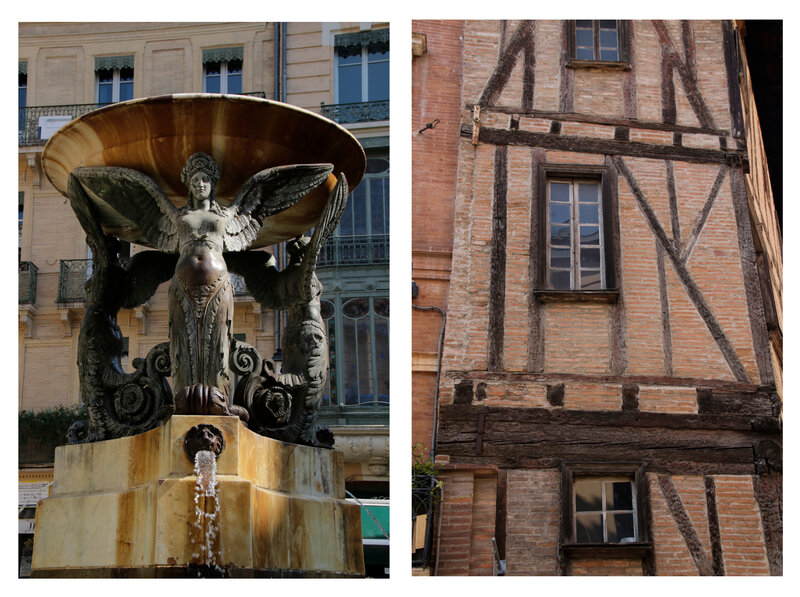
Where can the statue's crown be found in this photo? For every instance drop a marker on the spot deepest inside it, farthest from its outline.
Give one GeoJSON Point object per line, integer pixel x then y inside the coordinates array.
{"type": "Point", "coordinates": [200, 162]}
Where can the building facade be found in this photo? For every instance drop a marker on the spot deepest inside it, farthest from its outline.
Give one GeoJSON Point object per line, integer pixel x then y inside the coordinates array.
{"type": "Point", "coordinates": [609, 385]}
{"type": "Point", "coordinates": [339, 70]}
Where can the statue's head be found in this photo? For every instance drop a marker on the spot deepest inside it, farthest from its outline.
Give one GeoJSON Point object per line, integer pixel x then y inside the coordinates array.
{"type": "Point", "coordinates": [200, 175]}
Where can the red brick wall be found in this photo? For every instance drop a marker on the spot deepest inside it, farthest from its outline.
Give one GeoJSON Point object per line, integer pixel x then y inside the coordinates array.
{"type": "Point", "coordinates": [436, 94]}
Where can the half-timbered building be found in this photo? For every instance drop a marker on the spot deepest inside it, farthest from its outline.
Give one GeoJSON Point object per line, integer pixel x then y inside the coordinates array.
{"type": "Point", "coordinates": [610, 388]}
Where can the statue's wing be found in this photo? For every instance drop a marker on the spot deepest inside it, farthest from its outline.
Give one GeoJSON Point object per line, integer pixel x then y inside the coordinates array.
{"type": "Point", "coordinates": [266, 193]}
{"type": "Point", "coordinates": [325, 226]}
{"type": "Point", "coordinates": [146, 271]}
{"type": "Point", "coordinates": [135, 197]}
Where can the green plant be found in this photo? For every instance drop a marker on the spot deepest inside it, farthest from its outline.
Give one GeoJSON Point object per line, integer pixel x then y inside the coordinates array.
{"type": "Point", "coordinates": [41, 431]}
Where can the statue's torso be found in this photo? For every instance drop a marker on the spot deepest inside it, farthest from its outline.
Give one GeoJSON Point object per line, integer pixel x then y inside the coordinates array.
{"type": "Point", "coordinates": [200, 262]}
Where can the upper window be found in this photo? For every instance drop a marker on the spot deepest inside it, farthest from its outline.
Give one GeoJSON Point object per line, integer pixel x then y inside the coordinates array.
{"type": "Point", "coordinates": [604, 510]}
{"type": "Point", "coordinates": [222, 70]}
{"type": "Point", "coordinates": [575, 239]}
{"type": "Point", "coordinates": [598, 41]}
{"type": "Point", "coordinates": [23, 93]}
{"type": "Point", "coordinates": [114, 79]}
{"type": "Point", "coordinates": [362, 66]}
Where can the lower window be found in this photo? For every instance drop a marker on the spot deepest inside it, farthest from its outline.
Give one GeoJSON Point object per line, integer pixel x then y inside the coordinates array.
{"type": "Point", "coordinates": [604, 510]}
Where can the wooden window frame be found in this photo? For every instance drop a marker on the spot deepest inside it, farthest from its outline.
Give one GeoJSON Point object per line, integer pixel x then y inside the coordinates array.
{"type": "Point", "coordinates": [623, 47]}
{"type": "Point", "coordinates": [610, 230]}
{"type": "Point", "coordinates": [568, 544]}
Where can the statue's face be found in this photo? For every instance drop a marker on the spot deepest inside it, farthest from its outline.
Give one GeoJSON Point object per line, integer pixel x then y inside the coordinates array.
{"type": "Point", "coordinates": [200, 185]}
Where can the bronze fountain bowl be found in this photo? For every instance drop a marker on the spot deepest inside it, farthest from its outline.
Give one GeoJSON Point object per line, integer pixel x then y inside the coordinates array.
{"type": "Point", "coordinates": [243, 134]}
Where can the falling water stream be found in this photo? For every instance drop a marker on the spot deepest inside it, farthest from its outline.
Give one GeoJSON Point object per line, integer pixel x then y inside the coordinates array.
{"type": "Point", "coordinates": [206, 507]}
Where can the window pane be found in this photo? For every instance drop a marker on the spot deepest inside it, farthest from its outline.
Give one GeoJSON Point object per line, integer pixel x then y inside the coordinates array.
{"type": "Point", "coordinates": [559, 191]}
{"type": "Point", "coordinates": [379, 213]}
{"type": "Point", "coordinates": [589, 213]}
{"type": "Point", "coordinates": [590, 235]}
{"type": "Point", "coordinates": [608, 38]}
{"type": "Point", "coordinates": [583, 23]}
{"type": "Point", "coordinates": [588, 494]}
{"type": "Point", "coordinates": [378, 78]}
{"type": "Point", "coordinates": [590, 258]}
{"type": "Point", "coordinates": [346, 223]}
{"type": "Point", "coordinates": [356, 308]}
{"type": "Point", "coordinates": [608, 24]}
{"type": "Point", "coordinates": [359, 199]}
{"type": "Point", "coordinates": [619, 495]}
{"type": "Point", "coordinates": [584, 38]}
{"type": "Point", "coordinates": [349, 84]}
{"type": "Point", "coordinates": [105, 93]}
{"type": "Point", "coordinates": [352, 59]}
{"type": "Point", "coordinates": [125, 91]}
{"type": "Point", "coordinates": [350, 362]}
{"type": "Point", "coordinates": [364, 361]}
{"type": "Point", "coordinates": [560, 235]}
{"type": "Point", "coordinates": [621, 528]}
{"type": "Point", "coordinates": [235, 83]}
{"type": "Point", "coordinates": [589, 528]}
{"type": "Point", "coordinates": [326, 309]}
{"type": "Point", "coordinates": [559, 280]}
{"type": "Point", "coordinates": [212, 84]}
{"type": "Point", "coordinates": [559, 213]}
{"type": "Point", "coordinates": [382, 356]}
{"type": "Point", "coordinates": [608, 54]}
{"type": "Point", "coordinates": [591, 280]}
{"type": "Point", "coordinates": [212, 68]}
{"type": "Point", "coordinates": [381, 307]}
{"type": "Point", "coordinates": [377, 165]}
{"type": "Point", "coordinates": [560, 258]}
{"type": "Point", "coordinates": [588, 193]}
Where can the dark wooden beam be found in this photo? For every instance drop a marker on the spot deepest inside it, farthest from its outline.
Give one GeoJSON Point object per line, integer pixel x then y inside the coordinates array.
{"type": "Point", "coordinates": [769, 495]}
{"type": "Point", "coordinates": [497, 264]}
{"type": "Point", "coordinates": [521, 41]}
{"type": "Point", "coordinates": [642, 380]}
{"type": "Point", "coordinates": [495, 136]}
{"type": "Point", "coordinates": [684, 524]}
{"type": "Point", "coordinates": [717, 561]}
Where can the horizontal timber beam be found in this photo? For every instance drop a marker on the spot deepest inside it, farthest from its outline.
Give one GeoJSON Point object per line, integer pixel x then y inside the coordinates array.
{"type": "Point", "coordinates": [495, 136]}
{"type": "Point", "coordinates": [542, 437]}
{"type": "Point", "coordinates": [602, 120]}
{"type": "Point", "coordinates": [642, 380]}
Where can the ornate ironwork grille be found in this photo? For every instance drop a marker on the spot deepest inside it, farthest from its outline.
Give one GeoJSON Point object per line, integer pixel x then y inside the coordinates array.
{"type": "Point", "coordinates": [424, 496]}
{"type": "Point", "coordinates": [355, 250]}
{"type": "Point", "coordinates": [72, 278]}
{"type": "Point", "coordinates": [357, 112]}
{"type": "Point", "coordinates": [28, 274]}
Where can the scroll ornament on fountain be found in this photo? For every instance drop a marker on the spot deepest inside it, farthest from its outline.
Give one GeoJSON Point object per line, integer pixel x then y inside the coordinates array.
{"type": "Point", "coordinates": [118, 190]}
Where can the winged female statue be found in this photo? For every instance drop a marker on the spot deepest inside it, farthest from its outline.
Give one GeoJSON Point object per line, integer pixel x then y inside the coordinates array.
{"type": "Point", "coordinates": [203, 233]}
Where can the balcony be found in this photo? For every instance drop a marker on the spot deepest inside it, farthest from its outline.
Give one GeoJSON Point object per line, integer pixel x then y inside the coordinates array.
{"type": "Point", "coordinates": [28, 273]}
{"type": "Point", "coordinates": [72, 277]}
{"type": "Point", "coordinates": [358, 112]}
{"type": "Point", "coordinates": [355, 250]}
{"type": "Point", "coordinates": [38, 123]}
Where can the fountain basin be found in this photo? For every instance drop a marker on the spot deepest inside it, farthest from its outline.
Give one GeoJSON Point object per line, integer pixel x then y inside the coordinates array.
{"type": "Point", "coordinates": [243, 134]}
{"type": "Point", "coordinates": [126, 508]}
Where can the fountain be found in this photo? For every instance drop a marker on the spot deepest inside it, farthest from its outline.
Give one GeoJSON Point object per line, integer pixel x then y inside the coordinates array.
{"type": "Point", "coordinates": [193, 477]}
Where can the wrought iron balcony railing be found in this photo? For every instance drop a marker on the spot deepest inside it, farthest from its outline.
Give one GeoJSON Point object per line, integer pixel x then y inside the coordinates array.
{"type": "Point", "coordinates": [38, 123]}
{"type": "Point", "coordinates": [239, 287]}
{"type": "Point", "coordinates": [424, 497]}
{"type": "Point", "coordinates": [358, 112]}
{"type": "Point", "coordinates": [355, 250]}
{"type": "Point", "coordinates": [28, 273]}
{"type": "Point", "coordinates": [72, 277]}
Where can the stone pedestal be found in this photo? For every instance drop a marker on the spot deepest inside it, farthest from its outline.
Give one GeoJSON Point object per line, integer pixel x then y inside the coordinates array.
{"type": "Point", "coordinates": [126, 508]}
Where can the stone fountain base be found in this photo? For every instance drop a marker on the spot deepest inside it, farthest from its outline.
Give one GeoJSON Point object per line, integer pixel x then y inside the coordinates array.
{"type": "Point", "coordinates": [126, 508]}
